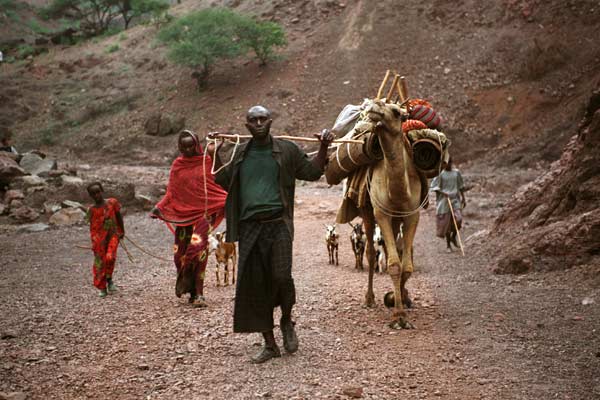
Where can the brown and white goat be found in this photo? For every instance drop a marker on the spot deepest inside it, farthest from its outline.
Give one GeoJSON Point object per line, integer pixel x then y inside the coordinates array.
{"type": "Point", "coordinates": [332, 241]}
{"type": "Point", "coordinates": [223, 253]}
{"type": "Point", "coordinates": [380, 255]}
{"type": "Point", "coordinates": [359, 242]}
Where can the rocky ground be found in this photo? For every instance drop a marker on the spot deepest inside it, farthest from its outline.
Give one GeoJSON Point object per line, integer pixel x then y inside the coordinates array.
{"type": "Point", "coordinates": [479, 335]}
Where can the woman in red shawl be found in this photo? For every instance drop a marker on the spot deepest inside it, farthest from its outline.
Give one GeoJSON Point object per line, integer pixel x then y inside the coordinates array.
{"type": "Point", "coordinates": [195, 204]}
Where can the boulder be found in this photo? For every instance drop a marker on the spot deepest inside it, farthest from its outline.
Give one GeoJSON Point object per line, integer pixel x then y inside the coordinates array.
{"type": "Point", "coordinates": [33, 180]}
{"type": "Point", "coordinates": [71, 180]}
{"type": "Point", "coordinates": [9, 169]}
{"type": "Point", "coordinates": [163, 125]}
{"type": "Point", "coordinates": [50, 208]}
{"type": "Point", "coordinates": [144, 201]}
{"type": "Point", "coordinates": [3, 209]}
{"type": "Point", "coordinates": [67, 216]}
{"type": "Point", "coordinates": [72, 204]}
{"type": "Point", "coordinates": [35, 165]}
{"type": "Point", "coordinates": [11, 195]}
{"type": "Point", "coordinates": [39, 227]}
{"type": "Point", "coordinates": [23, 213]}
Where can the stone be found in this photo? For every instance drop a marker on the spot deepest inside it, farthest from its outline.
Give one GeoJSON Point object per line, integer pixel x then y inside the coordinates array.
{"type": "Point", "coordinates": [72, 204]}
{"type": "Point", "coordinates": [67, 216]}
{"type": "Point", "coordinates": [151, 125]}
{"type": "Point", "coordinates": [71, 180]}
{"type": "Point", "coordinates": [23, 213]}
{"type": "Point", "coordinates": [51, 208]}
{"type": "Point", "coordinates": [57, 173]}
{"type": "Point", "coordinates": [353, 392]}
{"type": "Point", "coordinates": [3, 209]}
{"type": "Point", "coordinates": [13, 396]}
{"type": "Point", "coordinates": [35, 165]}
{"type": "Point", "coordinates": [9, 169]}
{"type": "Point", "coordinates": [39, 227]}
{"type": "Point", "coordinates": [13, 194]}
{"type": "Point", "coordinates": [33, 180]}
{"type": "Point", "coordinates": [15, 203]}
{"type": "Point", "coordinates": [145, 201]}
{"type": "Point", "coordinates": [165, 126]}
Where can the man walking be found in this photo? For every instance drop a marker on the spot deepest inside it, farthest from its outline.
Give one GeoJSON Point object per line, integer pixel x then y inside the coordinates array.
{"type": "Point", "coordinates": [449, 187]}
{"type": "Point", "coordinates": [260, 180]}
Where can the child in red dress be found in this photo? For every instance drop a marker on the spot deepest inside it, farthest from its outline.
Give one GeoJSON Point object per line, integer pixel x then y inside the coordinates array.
{"type": "Point", "coordinates": [106, 229]}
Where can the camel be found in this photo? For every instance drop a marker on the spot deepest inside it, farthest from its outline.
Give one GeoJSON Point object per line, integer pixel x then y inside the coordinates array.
{"type": "Point", "coordinates": [394, 194]}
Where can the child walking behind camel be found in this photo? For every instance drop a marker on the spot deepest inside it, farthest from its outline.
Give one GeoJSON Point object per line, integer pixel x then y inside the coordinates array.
{"type": "Point", "coordinates": [106, 229]}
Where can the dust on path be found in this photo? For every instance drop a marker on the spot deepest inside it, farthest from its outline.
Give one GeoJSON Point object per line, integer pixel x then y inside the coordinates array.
{"type": "Point", "coordinates": [479, 336]}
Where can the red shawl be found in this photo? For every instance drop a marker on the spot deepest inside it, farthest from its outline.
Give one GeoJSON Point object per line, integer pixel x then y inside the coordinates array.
{"type": "Point", "coordinates": [187, 199]}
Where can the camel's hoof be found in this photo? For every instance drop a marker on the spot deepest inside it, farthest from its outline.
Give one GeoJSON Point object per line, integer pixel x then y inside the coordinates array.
{"type": "Point", "coordinates": [370, 302]}
{"type": "Point", "coordinates": [401, 324]}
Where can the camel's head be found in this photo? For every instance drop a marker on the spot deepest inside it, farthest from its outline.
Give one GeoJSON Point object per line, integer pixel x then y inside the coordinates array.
{"type": "Point", "coordinates": [390, 115]}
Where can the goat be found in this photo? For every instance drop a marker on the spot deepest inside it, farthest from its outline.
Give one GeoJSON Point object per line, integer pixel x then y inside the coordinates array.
{"type": "Point", "coordinates": [223, 253]}
{"type": "Point", "coordinates": [331, 239]}
{"type": "Point", "coordinates": [380, 254]}
{"type": "Point", "coordinates": [359, 242]}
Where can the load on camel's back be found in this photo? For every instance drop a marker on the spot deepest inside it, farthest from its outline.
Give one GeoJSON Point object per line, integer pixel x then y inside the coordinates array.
{"type": "Point", "coordinates": [387, 180]}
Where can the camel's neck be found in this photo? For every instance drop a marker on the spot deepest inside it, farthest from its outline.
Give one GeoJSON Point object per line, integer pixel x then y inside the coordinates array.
{"type": "Point", "coordinates": [394, 150]}
{"type": "Point", "coordinates": [397, 164]}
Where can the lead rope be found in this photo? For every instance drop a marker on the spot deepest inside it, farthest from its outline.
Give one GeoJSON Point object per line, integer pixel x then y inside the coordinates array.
{"type": "Point", "coordinates": [387, 211]}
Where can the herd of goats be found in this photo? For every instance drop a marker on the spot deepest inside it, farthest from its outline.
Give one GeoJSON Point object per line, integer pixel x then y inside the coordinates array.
{"type": "Point", "coordinates": [226, 255]}
{"type": "Point", "coordinates": [358, 238]}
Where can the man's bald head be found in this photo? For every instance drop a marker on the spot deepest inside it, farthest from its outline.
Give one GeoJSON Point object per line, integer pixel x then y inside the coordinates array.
{"type": "Point", "coordinates": [258, 122]}
{"type": "Point", "coordinates": [258, 111]}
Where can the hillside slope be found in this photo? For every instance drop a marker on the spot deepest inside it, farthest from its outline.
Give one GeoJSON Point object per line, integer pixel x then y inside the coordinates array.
{"type": "Point", "coordinates": [512, 80]}
{"type": "Point", "coordinates": [509, 77]}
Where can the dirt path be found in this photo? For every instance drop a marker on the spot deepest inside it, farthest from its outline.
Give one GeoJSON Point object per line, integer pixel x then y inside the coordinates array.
{"type": "Point", "coordinates": [479, 336]}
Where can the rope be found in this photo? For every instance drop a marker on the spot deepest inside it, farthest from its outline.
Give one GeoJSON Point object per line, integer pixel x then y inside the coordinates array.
{"type": "Point", "coordinates": [337, 158]}
{"type": "Point", "coordinates": [214, 141]}
{"type": "Point", "coordinates": [387, 211]}
{"type": "Point", "coordinates": [145, 251]}
{"type": "Point", "coordinates": [127, 252]}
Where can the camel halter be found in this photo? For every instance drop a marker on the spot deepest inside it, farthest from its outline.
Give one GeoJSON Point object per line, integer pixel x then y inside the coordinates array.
{"type": "Point", "coordinates": [388, 211]}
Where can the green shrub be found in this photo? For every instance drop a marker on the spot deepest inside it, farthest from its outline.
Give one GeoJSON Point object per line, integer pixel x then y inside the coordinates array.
{"type": "Point", "coordinates": [35, 26]}
{"type": "Point", "coordinates": [113, 47]}
{"type": "Point", "coordinates": [262, 37]}
{"type": "Point", "coordinates": [199, 39]}
{"type": "Point", "coordinates": [25, 51]}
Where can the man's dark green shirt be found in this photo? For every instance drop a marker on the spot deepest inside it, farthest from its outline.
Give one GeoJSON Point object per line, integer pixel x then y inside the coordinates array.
{"type": "Point", "coordinates": [259, 187]}
{"type": "Point", "coordinates": [293, 164]}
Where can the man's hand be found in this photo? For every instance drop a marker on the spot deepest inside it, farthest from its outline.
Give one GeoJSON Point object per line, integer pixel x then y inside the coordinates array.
{"type": "Point", "coordinates": [325, 137]}
{"type": "Point", "coordinates": [212, 135]}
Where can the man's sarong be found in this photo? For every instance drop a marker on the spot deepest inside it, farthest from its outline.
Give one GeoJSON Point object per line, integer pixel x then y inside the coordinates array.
{"type": "Point", "coordinates": [444, 223]}
{"type": "Point", "coordinates": [264, 279]}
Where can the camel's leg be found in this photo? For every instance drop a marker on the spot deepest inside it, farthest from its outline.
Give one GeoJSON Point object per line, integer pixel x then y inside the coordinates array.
{"type": "Point", "coordinates": [369, 226]}
{"type": "Point", "coordinates": [226, 274]}
{"type": "Point", "coordinates": [217, 273]}
{"type": "Point", "coordinates": [394, 269]}
{"type": "Point", "coordinates": [409, 229]}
